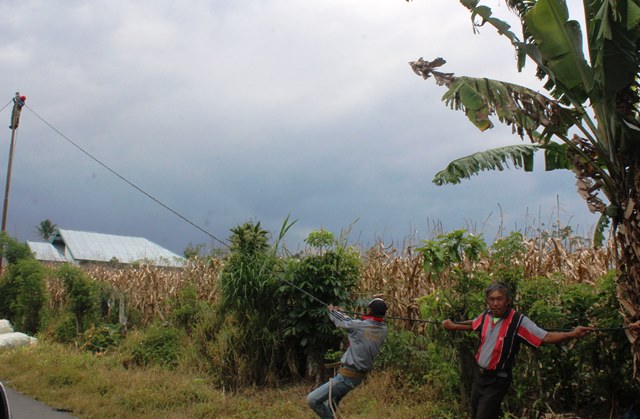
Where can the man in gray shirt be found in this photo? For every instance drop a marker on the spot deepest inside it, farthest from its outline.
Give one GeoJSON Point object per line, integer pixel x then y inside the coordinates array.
{"type": "Point", "coordinates": [365, 336]}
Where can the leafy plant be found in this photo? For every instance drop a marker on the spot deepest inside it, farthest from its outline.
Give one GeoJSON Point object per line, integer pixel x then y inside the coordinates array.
{"type": "Point", "coordinates": [100, 338]}
{"type": "Point", "coordinates": [12, 250]}
{"type": "Point", "coordinates": [158, 346]}
{"type": "Point", "coordinates": [22, 294]}
{"type": "Point", "coordinates": [82, 294]}
{"type": "Point", "coordinates": [248, 284]}
{"type": "Point", "coordinates": [187, 308]}
{"type": "Point", "coordinates": [329, 275]}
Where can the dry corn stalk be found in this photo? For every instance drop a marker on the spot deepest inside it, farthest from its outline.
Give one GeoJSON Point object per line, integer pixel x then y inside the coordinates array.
{"type": "Point", "coordinates": [148, 288]}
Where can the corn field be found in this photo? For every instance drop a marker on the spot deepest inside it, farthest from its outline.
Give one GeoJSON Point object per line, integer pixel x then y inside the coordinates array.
{"type": "Point", "coordinates": [396, 272]}
{"type": "Point", "coordinates": [147, 289]}
{"type": "Point", "coordinates": [399, 274]}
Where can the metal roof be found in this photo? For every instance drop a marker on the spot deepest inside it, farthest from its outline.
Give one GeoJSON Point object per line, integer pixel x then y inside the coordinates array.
{"type": "Point", "coordinates": [99, 247]}
{"type": "Point", "coordinates": [45, 252]}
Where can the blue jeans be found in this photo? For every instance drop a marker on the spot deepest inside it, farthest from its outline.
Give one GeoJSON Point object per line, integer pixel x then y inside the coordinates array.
{"type": "Point", "coordinates": [339, 386]}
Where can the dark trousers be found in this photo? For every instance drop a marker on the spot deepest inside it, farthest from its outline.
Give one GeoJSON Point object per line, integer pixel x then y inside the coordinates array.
{"type": "Point", "coordinates": [487, 394]}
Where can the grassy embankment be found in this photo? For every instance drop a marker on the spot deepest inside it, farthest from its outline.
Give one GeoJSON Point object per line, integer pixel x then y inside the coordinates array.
{"type": "Point", "coordinates": [93, 386]}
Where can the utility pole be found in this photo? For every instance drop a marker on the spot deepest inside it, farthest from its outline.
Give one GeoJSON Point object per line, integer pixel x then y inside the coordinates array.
{"type": "Point", "coordinates": [18, 103]}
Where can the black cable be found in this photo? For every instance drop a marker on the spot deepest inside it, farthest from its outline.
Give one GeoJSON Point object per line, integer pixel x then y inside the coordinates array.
{"type": "Point", "coordinates": [597, 329]}
{"type": "Point", "coordinates": [602, 329]}
{"type": "Point", "coordinates": [157, 201]}
{"type": "Point", "coordinates": [358, 314]}
{"type": "Point", "coordinates": [6, 105]}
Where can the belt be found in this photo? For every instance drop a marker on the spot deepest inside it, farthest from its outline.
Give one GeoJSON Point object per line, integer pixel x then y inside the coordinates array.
{"type": "Point", "coordinates": [349, 373]}
{"type": "Point", "coordinates": [494, 373]}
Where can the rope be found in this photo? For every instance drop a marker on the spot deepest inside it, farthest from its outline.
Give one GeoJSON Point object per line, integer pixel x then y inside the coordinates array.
{"type": "Point", "coordinates": [333, 409]}
{"type": "Point", "coordinates": [139, 189]}
{"type": "Point", "coordinates": [597, 329]}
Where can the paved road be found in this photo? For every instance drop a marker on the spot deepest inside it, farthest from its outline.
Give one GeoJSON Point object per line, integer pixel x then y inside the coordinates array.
{"type": "Point", "coordinates": [23, 407]}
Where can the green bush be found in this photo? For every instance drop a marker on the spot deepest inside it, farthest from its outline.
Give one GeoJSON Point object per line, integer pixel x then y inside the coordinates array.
{"type": "Point", "coordinates": [159, 345]}
{"type": "Point", "coordinates": [82, 295]}
{"type": "Point", "coordinates": [419, 361]}
{"type": "Point", "coordinates": [187, 309]}
{"type": "Point", "coordinates": [12, 250]}
{"type": "Point", "coordinates": [22, 294]}
{"type": "Point", "coordinates": [248, 284]}
{"type": "Point", "coordinates": [101, 338]}
{"type": "Point", "coordinates": [331, 274]}
{"type": "Point", "coordinates": [63, 328]}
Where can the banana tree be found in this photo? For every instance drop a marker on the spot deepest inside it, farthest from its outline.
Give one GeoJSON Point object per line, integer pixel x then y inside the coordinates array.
{"type": "Point", "coordinates": [588, 121]}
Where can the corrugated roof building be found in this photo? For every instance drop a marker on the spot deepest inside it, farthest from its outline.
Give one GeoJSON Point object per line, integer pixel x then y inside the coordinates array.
{"type": "Point", "coordinates": [80, 247]}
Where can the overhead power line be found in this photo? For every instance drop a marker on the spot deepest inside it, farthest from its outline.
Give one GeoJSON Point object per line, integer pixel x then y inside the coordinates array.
{"type": "Point", "coordinates": [133, 185]}
{"type": "Point", "coordinates": [8, 103]}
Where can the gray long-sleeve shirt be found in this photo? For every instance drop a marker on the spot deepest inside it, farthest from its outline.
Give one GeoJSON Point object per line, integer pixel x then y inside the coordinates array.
{"type": "Point", "coordinates": [365, 339]}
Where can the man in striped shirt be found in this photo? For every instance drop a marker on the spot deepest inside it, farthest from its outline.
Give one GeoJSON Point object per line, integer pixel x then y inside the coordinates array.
{"type": "Point", "coordinates": [502, 330]}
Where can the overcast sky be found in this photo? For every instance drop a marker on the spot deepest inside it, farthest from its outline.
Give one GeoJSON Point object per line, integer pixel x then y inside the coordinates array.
{"type": "Point", "coordinates": [230, 111]}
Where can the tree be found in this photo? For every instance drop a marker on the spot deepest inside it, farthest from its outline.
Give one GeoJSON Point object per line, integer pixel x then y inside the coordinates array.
{"type": "Point", "coordinates": [588, 123]}
{"type": "Point", "coordinates": [22, 290]}
{"type": "Point", "coordinates": [46, 229]}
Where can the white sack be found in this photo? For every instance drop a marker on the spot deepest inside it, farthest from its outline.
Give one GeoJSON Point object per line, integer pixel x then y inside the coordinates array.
{"type": "Point", "coordinates": [5, 327]}
{"type": "Point", "coordinates": [15, 339]}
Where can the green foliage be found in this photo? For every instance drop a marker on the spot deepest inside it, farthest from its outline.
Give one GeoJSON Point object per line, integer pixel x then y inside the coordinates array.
{"type": "Point", "coordinates": [502, 254]}
{"type": "Point", "coordinates": [100, 338]}
{"type": "Point", "coordinates": [450, 258]}
{"type": "Point", "coordinates": [82, 295]}
{"type": "Point", "coordinates": [249, 238]}
{"type": "Point", "coordinates": [22, 294]}
{"type": "Point", "coordinates": [421, 359]}
{"type": "Point", "coordinates": [330, 276]}
{"type": "Point", "coordinates": [248, 284]}
{"type": "Point", "coordinates": [320, 238]}
{"type": "Point", "coordinates": [449, 250]}
{"type": "Point", "coordinates": [193, 250]}
{"type": "Point", "coordinates": [63, 328]}
{"type": "Point", "coordinates": [46, 229]}
{"type": "Point", "coordinates": [187, 309]}
{"type": "Point", "coordinates": [160, 345]}
{"type": "Point", "coordinates": [520, 155]}
{"type": "Point", "coordinates": [12, 250]}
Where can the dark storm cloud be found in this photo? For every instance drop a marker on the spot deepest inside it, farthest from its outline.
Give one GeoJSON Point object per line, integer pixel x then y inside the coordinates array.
{"type": "Point", "coordinates": [237, 111]}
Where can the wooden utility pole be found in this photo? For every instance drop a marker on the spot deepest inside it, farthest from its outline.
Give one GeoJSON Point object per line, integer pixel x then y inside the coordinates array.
{"type": "Point", "coordinates": [18, 103]}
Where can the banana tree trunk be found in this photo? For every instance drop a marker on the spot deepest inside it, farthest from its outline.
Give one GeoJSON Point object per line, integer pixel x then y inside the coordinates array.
{"type": "Point", "coordinates": [627, 235]}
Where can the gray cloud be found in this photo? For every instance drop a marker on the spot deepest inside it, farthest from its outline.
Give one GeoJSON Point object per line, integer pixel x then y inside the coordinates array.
{"type": "Point", "coordinates": [230, 111]}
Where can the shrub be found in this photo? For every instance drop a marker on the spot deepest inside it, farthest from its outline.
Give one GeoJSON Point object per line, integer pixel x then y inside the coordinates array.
{"type": "Point", "coordinates": [186, 308]}
{"type": "Point", "coordinates": [248, 284]}
{"type": "Point", "coordinates": [22, 294]}
{"type": "Point", "coordinates": [101, 338]}
{"type": "Point", "coordinates": [82, 295]}
{"type": "Point", "coordinates": [158, 346]}
{"type": "Point", "coordinates": [330, 276]}
{"type": "Point", "coordinates": [63, 329]}
{"type": "Point", "coordinates": [12, 250]}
